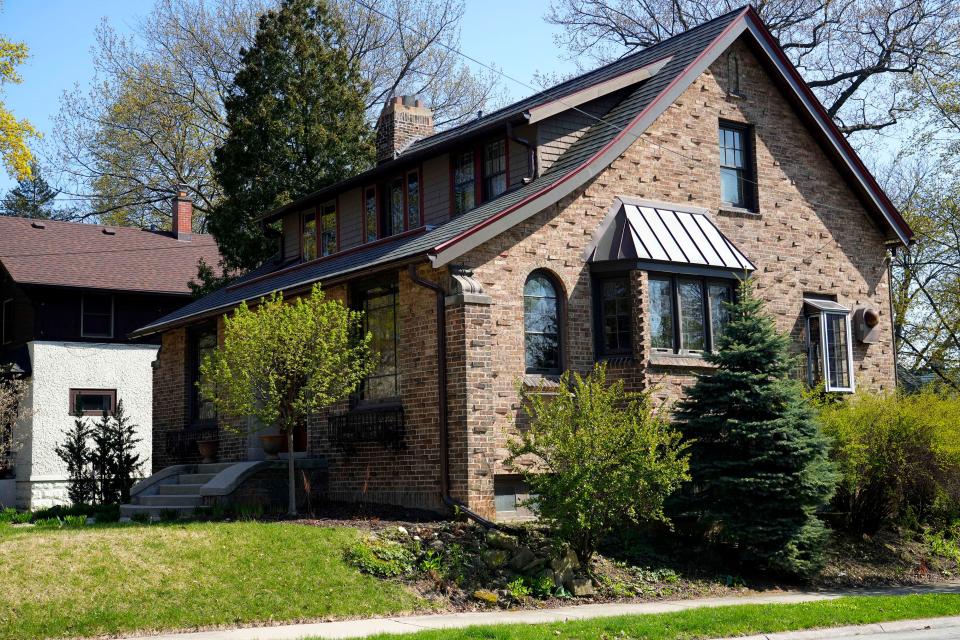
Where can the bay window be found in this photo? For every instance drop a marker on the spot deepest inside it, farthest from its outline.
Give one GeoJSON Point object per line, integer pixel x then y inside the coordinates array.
{"type": "Point", "coordinates": [829, 347]}
{"type": "Point", "coordinates": [687, 315]}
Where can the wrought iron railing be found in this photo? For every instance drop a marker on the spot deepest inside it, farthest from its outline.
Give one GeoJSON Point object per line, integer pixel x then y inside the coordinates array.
{"type": "Point", "coordinates": [383, 425]}
{"type": "Point", "coordinates": [181, 446]}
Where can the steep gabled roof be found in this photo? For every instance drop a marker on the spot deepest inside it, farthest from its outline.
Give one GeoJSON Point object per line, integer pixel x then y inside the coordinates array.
{"type": "Point", "coordinates": [90, 256]}
{"type": "Point", "coordinates": [686, 56]}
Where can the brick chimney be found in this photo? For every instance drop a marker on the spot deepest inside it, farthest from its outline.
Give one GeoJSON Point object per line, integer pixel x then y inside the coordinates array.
{"type": "Point", "coordinates": [403, 120]}
{"type": "Point", "coordinates": [182, 215]}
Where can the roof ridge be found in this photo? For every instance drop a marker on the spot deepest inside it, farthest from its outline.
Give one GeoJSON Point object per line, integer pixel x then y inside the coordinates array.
{"type": "Point", "coordinates": [93, 225]}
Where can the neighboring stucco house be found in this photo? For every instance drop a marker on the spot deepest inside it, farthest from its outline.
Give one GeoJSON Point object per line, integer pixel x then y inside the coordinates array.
{"type": "Point", "coordinates": [605, 218]}
{"type": "Point", "coordinates": [70, 294]}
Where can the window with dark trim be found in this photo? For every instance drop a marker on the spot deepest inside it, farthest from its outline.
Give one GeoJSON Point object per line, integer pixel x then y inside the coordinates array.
{"type": "Point", "coordinates": [687, 314]}
{"type": "Point", "coordinates": [92, 402]}
{"type": "Point", "coordinates": [96, 315]}
{"type": "Point", "coordinates": [414, 216]}
{"type": "Point", "coordinates": [737, 177]}
{"type": "Point", "coordinates": [379, 304]}
{"type": "Point", "coordinates": [309, 235]}
{"type": "Point", "coordinates": [494, 169]}
{"type": "Point", "coordinates": [613, 317]}
{"type": "Point", "coordinates": [8, 321]}
{"type": "Point", "coordinates": [328, 229]}
{"type": "Point", "coordinates": [370, 214]}
{"type": "Point", "coordinates": [541, 324]}
{"type": "Point", "coordinates": [393, 213]}
{"type": "Point", "coordinates": [464, 182]}
{"type": "Point", "coordinates": [203, 342]}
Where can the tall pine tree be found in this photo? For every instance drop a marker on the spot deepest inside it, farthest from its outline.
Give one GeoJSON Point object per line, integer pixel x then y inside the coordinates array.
{"type": "Point", "coordinates": [758, 463]}
{"type": "Point", "coordinates": [296, 124]}
{"type": "Point", "coordinates": [33, 197]}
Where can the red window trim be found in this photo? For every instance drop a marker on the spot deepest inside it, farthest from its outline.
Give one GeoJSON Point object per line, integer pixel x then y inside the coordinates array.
{"type": "Point", "coordinates": [363, 211]}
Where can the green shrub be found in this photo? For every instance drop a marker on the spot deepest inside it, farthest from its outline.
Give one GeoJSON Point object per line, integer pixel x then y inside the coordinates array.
{"type": "Point", "coordinates": [604, 459]}
{"type": "Point", "coordinates": [7, 515]}
{"type": "Point", "coordinates": [381, 558]}
{"type": "Point", "coordinates": [75, 521]}
{"type": "Point", "coordinates": [21, 517]}
{"type": "Point", "coordinates": [518, 588]}
{"type": "Point", "coordinates": [49, 523]}
{"type": "Point", "coordinates": [899, 458]}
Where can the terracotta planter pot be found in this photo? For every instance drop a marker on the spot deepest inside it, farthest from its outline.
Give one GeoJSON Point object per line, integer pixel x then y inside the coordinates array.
{"type": "Point", "coordinates": [208, 450]}
{"type": "Point", "coordinates": [273, 445]}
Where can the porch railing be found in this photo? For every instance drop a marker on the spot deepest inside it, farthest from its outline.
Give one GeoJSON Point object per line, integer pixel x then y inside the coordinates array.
{"type": "Point", "coordinates": [379, 425]}
{"type": "Point", "coordinates": [181, 446]}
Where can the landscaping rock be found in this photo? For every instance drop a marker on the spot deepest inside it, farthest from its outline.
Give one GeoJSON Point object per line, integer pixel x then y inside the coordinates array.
{"type": "Point", "coordinates": [500, 540]}
{"type": "Point", "coordinates": [533, 567]}
{"type": "Point", "coordinates": [495, 558]}
{"type": "Point", "coordinates": [580, 587]}
{"type": "Point", "coordinates": [568, 561]}
{"type": "Point", "coordinates": [561, 578]}
{"type": "Point", "coordinates": [486, 597]}
{"type": "Point", "coordinates": [522, 557]}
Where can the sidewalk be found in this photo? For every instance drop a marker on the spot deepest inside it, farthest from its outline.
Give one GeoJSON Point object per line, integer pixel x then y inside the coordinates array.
{"type": "Point", "coordinates": [928, 629]}
{"type": "Point", "coordinates": [409, 624]}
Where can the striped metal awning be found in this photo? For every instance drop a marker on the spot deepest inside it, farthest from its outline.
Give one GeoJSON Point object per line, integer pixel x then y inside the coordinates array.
{"type": "Point", "coordinates": [664, 237]}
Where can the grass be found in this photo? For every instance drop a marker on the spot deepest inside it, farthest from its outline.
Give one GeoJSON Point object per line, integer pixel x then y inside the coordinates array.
{"type": "Point", "coordinates": [120, 579]}
{"type": "Point", "coordinates": [719, 622]}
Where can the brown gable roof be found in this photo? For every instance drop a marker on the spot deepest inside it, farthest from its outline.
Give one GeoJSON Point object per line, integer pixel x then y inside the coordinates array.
{"type": "Point", "coordinates": [70, 254]}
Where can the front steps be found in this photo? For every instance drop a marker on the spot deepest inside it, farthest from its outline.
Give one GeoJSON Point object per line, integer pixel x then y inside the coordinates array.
{"type": "Point", "coordinates": [172, 490]}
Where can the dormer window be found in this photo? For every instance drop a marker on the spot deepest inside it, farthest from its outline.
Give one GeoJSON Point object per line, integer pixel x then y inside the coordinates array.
{"type": "Point", "coordinates": [494, 169]}
{"type": "Point", "coordinates": [464, 182]}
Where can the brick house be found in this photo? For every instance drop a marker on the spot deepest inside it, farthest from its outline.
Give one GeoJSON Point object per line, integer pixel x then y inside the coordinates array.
{"type": "Point", "coordinates": [604, 218]}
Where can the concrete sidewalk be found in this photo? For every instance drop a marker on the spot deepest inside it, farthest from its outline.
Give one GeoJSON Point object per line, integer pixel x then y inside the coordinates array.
{"type": "Point", "coordinates": [410, 624]}
{"type": "Point", "coordinates": [927, 629]}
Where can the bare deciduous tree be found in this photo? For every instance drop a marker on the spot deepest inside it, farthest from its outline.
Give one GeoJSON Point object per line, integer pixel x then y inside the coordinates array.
{"type": "Point", "coordinates": [857, 55]}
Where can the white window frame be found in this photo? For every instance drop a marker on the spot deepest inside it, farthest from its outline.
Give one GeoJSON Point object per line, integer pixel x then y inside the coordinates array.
{"type": "Point", "coordinates": [7, 331]}
{"type": "Point", "coordinates": [83, 332]}
{"type": "Point", "coordinates": [819, 311]}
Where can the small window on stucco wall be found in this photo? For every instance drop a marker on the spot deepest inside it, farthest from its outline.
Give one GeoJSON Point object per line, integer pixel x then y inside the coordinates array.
{"type": "Point", "coordinates": [92, 402]}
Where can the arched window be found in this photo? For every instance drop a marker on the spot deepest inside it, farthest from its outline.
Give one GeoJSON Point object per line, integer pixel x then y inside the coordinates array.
{"type": "Point", "coordinates": [541, 324]}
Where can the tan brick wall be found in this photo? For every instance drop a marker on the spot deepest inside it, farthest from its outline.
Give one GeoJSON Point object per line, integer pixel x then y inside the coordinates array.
{"type": "Point", "coordinates": [169, 394]}
{"type": "Point", "coordinates": [811, 235]}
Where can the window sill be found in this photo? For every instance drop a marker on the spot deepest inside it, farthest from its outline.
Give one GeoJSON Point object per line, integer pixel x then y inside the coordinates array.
{"type": "Point", "coordinates": [729, 210]}
{"type": "Point", "coordinates": [679, 360]}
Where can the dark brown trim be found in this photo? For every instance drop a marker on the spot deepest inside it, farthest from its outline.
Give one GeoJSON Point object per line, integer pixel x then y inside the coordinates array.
{"type": "Point", "coordinates": [72, 407]}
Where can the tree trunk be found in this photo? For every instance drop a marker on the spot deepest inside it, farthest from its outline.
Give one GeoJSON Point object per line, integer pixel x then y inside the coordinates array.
{"type": "Point", "coordinates": [291, 483]}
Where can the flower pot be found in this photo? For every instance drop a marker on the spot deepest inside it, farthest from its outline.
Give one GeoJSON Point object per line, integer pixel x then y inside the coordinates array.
{"type": "Point", "coordinates": [208, 450]}
{"type": "Point", "coordinates": [273, 445]}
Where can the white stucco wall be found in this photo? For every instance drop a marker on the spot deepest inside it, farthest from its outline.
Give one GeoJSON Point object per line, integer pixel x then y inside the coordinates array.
{"type": "Point", "coordinates": [57, 368]}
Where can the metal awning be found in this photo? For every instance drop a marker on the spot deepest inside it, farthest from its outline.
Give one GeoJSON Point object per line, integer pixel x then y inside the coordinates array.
{"type": "Point", "coordinates": [820, 304]}
{"type": "Point", "coordinates": [664, 237]}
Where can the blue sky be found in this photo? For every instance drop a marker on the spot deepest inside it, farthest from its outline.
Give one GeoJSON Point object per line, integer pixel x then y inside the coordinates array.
{"type": "Point", "coordinates": [510, 34]}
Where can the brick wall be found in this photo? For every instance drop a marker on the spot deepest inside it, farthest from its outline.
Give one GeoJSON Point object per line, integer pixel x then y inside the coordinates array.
{"type": "Point", "coordinates": [169, 394]}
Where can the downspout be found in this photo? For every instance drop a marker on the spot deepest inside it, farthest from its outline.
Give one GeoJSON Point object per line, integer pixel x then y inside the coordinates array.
{"type": "Point", "coordinates": [893, 316]}
{"type": "Point", "coordinates": [442, 397]}
{"type": "Point", "coordinates": [532, 165]}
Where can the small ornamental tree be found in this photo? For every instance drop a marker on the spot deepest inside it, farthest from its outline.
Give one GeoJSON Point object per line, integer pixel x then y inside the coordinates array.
{"type": "Point", "coordinates": [283, 362]}
{"type": "Point", "coordinates": [758, 462]}
{"type": "Point", "coordinates": [113, 457]}
{"type": "Point", "coordinates": [603, 459]}
{"type": "Point", "coordinates": [75, 453]}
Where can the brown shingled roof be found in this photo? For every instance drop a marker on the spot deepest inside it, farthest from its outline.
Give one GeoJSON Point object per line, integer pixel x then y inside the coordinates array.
{"type": "Point", "coordinates": [70, 254]}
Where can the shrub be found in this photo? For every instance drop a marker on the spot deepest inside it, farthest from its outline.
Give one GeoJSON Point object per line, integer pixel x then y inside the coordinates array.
{"type": "Point", "coordinates": [113, 458]}
{"type": "Point", "coordinates": [898, 455]}
{"type": "Point", "coordinates": [48, 523]}
{"type": "Point", "coordinates": [75, 453]}
{"type": "Point", "coordinates": [603, 459]}
{"type": "Point", "coordinates": [381, 558]}
{"type": "Point", "coordinates": [75, 521]}
{"type": "Point", "coordinates": [21, 517]}
{"type": "Point", "coordinates": [759, 465]}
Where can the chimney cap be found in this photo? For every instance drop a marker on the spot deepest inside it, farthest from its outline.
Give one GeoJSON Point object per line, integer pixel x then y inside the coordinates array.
{"type": "Point", "coordinates": [183, 192]}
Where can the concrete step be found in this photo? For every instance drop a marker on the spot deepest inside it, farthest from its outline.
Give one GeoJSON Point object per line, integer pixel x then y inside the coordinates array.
{"type": "Point", "coordinates": [169, 501]}
{"type": "Point", "coordinates": [215, 467]}
{"type": "Point", "coordinates": [178, 489]}
{"type": "Point", "coordinates": [129, 510]}
{"type": "Point", "coordinates": [195, 478]}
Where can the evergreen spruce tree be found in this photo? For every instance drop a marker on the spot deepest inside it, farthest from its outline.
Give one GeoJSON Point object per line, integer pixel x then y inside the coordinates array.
{"type": "Point", "coordinates": [33, 197]}
{"type": "Point", "coordinates": [758, 463]}
{"type": "Point", "coordinates": [114, 458]}
{"type": "Point", "coordinates": [75, 453]}
{"type": "Point", "coordinates": [296, 124]}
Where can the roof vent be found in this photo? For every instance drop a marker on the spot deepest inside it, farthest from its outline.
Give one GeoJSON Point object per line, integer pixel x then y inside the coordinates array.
{"type": "Point", "coordinates": [109, 232]}
{"type": "Point", "coordinates": [38, 225]}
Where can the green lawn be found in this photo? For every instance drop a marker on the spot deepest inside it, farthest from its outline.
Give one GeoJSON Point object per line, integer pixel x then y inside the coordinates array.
{"type": "Point", "coordinates": [94, 581]}
{"type": "Point", "coordinates": [720, 622]}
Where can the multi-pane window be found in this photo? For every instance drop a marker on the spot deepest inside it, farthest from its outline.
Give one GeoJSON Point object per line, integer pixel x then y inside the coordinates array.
{"type": "Point", "coordinates": [393, 212]}
{"type": "Point", "coordinates": [736, 168]}
{"type": "Point", "coordinates": [541, 324]}
{"type": "Point", "coordinates": [370, 214]}
{"type": "Point", "coordinates": [613, 316]}
{"type": "Point", "coordinates": [309, 235]}
{"type": "Point", "coordinates": [92, 402]}
{"type": "Point", "coordinates": [204, 342]}
{"type": "Point", "coordinates": [829, 348]}
{"type": "Point", "coordinates": [464, 183]}
{"type": "Point", "coordinates": [96, 316]}
{"type": "Point", "coordinates": [687, 315]}
{"type": "Point", "coordinates": [328, 229]}
{"type": "Point", "coordinates": [494, 169]}
{"type": "Point", "coordinates": [414, 219]}
{"type": "Point", "coordinates": [379, 306]}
